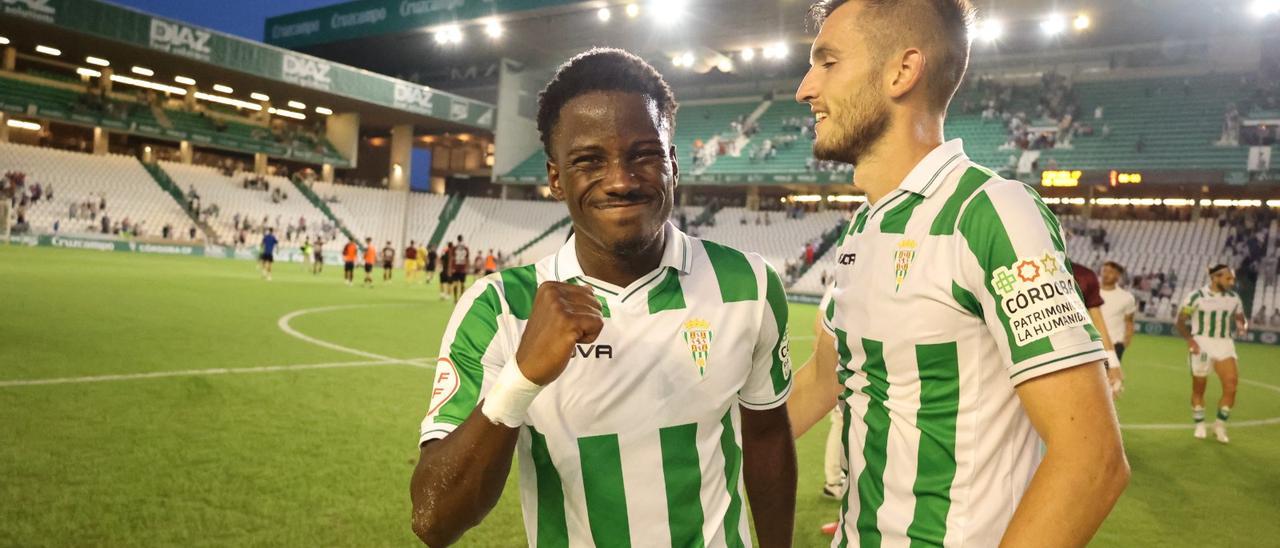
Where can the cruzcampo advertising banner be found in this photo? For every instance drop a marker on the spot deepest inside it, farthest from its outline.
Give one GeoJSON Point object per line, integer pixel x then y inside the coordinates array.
{"type": "Point", "coordinates": [208, 46]}
{"type": "Point", "coordinates": [363, 18]}
{"type": "Point", "coordinates": [94, 243]}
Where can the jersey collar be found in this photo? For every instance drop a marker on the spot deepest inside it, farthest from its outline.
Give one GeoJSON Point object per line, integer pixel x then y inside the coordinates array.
{"type": "Point", "coordinates": [675, 254]}
{"type": "Point", "coordinates": [928, 175]}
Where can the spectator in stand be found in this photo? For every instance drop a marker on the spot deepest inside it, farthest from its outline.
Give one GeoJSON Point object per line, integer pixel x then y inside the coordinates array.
{"type": "Point", "coordinates": [1275, 316]}
{"type": "Point", "coordinates": [1260, 317]}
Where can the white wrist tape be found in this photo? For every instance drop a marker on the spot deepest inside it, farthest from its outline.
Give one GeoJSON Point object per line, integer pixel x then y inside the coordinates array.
{"type": "Point", "coordinates": [507, 403]}
{"type": "Point", "coordinates": [1113, 360]}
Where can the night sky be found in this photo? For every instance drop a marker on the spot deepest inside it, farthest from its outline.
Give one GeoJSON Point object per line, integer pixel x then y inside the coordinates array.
{"type": "Point", "coordinates": [240, 17]}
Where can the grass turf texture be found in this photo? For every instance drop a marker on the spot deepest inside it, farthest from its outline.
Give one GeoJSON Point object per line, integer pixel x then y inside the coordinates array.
{"type": "Point", "coordinates": [322, 457]}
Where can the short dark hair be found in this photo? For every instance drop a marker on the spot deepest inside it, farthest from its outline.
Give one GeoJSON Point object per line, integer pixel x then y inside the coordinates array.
{"type": "Point", "coordinates": [948, 21]}
{"type": "Point", "coordinates": [1217, 268]}
{"type": "Point", "coordinates": [1114, 265]}
{"type": "Point", "coordinates": [602, 69]}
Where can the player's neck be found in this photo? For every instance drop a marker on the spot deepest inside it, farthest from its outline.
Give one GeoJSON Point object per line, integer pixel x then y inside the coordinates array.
{"type": "Point", "coordinates": [902, 147]}
{"type": "Point", "coordinates": [1108, 287]}
{"type": "Point", "coordinates": [604, 264]}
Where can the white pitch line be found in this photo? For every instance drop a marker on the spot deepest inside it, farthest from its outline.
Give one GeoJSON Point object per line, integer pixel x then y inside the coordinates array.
{"type": "Point", "coordinates": [191, 373]}
{"type": "Point", "coordinates": [1188, 426]}
{"type": "Point", "coordinates": [283, 324]}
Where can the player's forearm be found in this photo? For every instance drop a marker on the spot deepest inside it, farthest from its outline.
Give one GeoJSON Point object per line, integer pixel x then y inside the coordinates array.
{"type": "Point", "coordinates": [1128, 332]}
{"type": "Point", "coordinates": [1183, 328]}
{"type": "Point", "coordinates": [460, 478]}
{"type": "Point", "coordinates": [812, 397]}
{"type": "Point", "coordinates": [1070, 495]}
{"type": "Point", "coordinates": [769, 471]}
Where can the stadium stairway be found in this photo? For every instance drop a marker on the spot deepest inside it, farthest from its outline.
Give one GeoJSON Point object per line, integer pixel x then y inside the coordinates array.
{"type": "Point", "coordinates": [549, 231]}
{"type": "Point", "coordinates": [324, 208]}
{"type": "Point", "coordinates": [171, 188]}
{"type": "Point", "coordinates": [450, 211]}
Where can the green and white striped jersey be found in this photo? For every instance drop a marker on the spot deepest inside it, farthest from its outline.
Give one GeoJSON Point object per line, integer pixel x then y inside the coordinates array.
{"type": "Point", "coordinates": [950, 291]}
{"type": "Point", "coordinates": [1211, 314]}
{"type": "Point", "coordinates": [637, 443]}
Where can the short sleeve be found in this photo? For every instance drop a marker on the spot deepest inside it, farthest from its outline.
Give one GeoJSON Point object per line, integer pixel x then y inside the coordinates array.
{"type": "Point", "coordinates": [1017, 267]}
{"type": "Point", "coordinates": [769, 382]}
{"type": "Point", "coordinates": [1190, 302]}
{"type": "Point", "coordinates": [1130, 305]}
{"type": "Point", "coordinates": [1090, 289]}
{"type": "Point", "coordinates": [827, 311]}
{"type": "Point", "coordinates": [471, 353]}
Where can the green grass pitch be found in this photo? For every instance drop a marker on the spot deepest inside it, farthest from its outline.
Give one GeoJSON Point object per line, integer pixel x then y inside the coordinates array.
{"type": "Point", "coordinates": [168, 423]}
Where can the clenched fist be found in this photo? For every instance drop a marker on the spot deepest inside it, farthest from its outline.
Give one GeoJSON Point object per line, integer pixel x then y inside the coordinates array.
{"type": "Point", "coordinates": [563, 315]}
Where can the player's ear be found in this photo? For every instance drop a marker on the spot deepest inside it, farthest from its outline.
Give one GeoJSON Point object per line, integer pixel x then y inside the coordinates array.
{"type": "Point", "coordinates": [553, 181]}
{"type": "Point", "coordinates": [675, 168]}
{"type": "Point", "coordinates": [908, 72]}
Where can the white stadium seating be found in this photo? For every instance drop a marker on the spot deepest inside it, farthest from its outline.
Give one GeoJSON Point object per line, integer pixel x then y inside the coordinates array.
{"type": "Point", "coordinates": [369, 212]}
{"type": "Point", "coordinates": [232, 199]}
{"type": "Point", "coordinates": [129, 190]}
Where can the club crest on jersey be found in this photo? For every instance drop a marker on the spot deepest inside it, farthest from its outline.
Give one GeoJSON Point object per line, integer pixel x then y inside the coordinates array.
{"type": "Point", "coordinates": [697, 334]}
{"type": "Point", "coordinates": [902, 258]}
{"type": "Point", "coordinates": [1038, 295]}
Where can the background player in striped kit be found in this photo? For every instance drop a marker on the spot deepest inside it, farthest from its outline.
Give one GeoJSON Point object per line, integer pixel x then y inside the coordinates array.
{"type": "Point", "coordinates": [960, 335]}
{"type": "Point", "coordinates": [1205, 321]}
{"type": "Point", "coordinates": [639, 374]}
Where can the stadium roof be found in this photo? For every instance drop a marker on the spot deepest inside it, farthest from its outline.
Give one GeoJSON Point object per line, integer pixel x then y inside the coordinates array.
{"type": "Point", "coordinates": [399, 36]}
{"type": "Point", "coordinates": [126, 37]}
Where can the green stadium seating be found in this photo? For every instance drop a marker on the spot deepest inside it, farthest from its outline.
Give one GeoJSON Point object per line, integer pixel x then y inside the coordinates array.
{"type": "Point", "coordinates": [1178, 126]}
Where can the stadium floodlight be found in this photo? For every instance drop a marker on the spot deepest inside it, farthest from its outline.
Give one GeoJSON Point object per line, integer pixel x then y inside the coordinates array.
{"type": "Point", "coordinates": [604, 15]}
{"type": "Point", "coordinates": [324, 111]}
{"type": "Point", "coordinates": [4, 41]}
{"type": "Point", "coordinates": [287, 113]}
{"type": "Point", "coordinates": [142, 71]}
{"type": "Point", "coordinates": [147, 85]}
{"type": "Point", "coordinates": [226, 101]}
{"type": "Point", "coordinates": [779, 50]}
{"type": "Point", "coordinates": [449, 34]}
{"type": "Point", "coordinates": [48, 50]}
{"type": "Point", "coordinates": [184, 80]}
{"type": "Point", "coordinates": [259, 96]}
{"type": "Point", "coordinates": [725, 65]}
{"type": "Point", "coordinates": [493, 29]}
{"type": "Point", "coordinates": [88, 72]}
{"type": "Point", "coordinates": [667, 11]}
{"type": "Point", "coordinates": [21, 124]}
{"type": "Point", "coordinates": [297, 104]}
{"type": "Point", "coordinates": [747, 54]}
{"type": "Point", "coordinates": [1053, 25]}
{"type": "Point", "coordinates": [1081, 22]}
{"type": "Point", "coordinates": [1259, 8]}
{"type": "Point", "coordinates": [223, 89]}
{"type": "Point", "coordinates": [633, 10]}
{"type": "Point", "coordinates": [97, 61]}
{"type": "Point", "coordinates": [990, 30]}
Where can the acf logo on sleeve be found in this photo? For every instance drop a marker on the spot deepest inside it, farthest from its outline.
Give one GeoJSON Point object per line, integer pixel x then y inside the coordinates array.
{"type": "Point", "coordinates": [1038, 296]}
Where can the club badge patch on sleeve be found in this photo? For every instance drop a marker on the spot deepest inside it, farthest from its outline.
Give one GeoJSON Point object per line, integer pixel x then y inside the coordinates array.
{"type": "Point", "coordinates": [1039, 297]}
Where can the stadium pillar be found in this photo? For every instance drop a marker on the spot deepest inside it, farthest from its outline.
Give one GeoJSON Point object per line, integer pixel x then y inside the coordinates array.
{"type": "Point", "coordinates": [259, 163]}
{"type": "Point", "coordinates": [189, 100]}
{"type": "Point", "coordinates": [105, 80]}
{"type": "Point", "coordinates": [4, 129]}
{"type": "Point", "coordinates": [400, 158]}
{"type": "Point", "coordinates": [184, 152]}
{"type": "Point", "coordinates": [326, 173]}
{"type": "Point", "coordinates": [515, 131]}
{"type": "Point", "coordinates": [100, 141]}
{"type": "Point", "coordinates": [753, 198]}
{"type": "Point", "coordinates": [343, 132]}
{"type": "Point", "coordinates": [10, 58]}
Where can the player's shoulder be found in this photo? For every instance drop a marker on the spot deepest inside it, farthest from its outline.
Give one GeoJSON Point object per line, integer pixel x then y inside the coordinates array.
{"type": "Point", "coordinates": [727, 258]}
